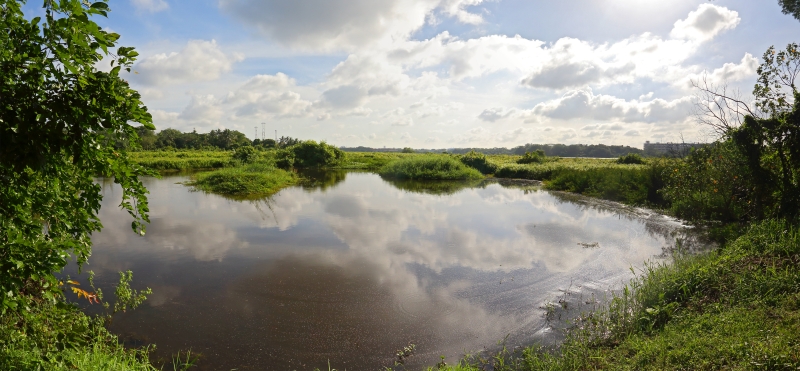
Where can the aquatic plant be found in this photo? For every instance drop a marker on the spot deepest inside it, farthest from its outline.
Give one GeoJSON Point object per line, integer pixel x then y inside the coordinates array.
{"type": "Point", "coordinates": [429, 167]}
{"type": "Point", "coordinates": [254, 180]}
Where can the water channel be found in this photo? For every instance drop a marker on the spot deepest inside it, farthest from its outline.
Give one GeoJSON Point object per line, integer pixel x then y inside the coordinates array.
{"type": "Point", "coordinates": [353, 268]}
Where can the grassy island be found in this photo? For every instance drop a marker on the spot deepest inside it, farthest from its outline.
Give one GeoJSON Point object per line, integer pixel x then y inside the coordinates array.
{"type": "Point", "coordinates": [254, 180]}
{"type": "Point", "coordinates": [429, 167]}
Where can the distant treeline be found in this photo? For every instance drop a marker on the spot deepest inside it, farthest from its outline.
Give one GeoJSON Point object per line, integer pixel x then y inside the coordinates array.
{"type": "Point", "coordinates": [215, 139]}
{"type": "Point", "coordinates": [560, 150]}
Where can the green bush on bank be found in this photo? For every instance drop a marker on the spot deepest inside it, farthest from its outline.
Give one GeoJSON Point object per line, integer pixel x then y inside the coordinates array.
{"type": "Point", "coordinates": [428, 167]}
{"type": "Point", "coordinates": [309, 154]}
{"type": "Point", "coordinates": [254, 180]}
{"type": "Point", "coordinates": [478, 161]}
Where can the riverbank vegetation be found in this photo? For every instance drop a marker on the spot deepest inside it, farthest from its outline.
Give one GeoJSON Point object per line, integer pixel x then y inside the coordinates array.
{"type": "Point", "coordinates": [59, 127]}
{"type": "Point", "coordinates": [737, 307]}
{"type": "Point", "coordinates": [246, 181]}
{"type": "Point", "coordinates": [429, 168]}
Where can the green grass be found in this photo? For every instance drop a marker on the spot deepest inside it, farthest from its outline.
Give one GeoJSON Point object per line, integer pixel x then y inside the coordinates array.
{"type": "Point", "coordinates": [183, 160]}
{"type": "Point", "coordinates": [61, 337]}
{"type": "Point", "coordinates": [736, 308]}
{"type": "Point", "coordinates": [254, 180]}
{"type": "Point", "coordinates": [371, 160]}
{"type": "Point", "coordinates": [629, 183]}
{"type": "Point", "coordinates": [429, 167]}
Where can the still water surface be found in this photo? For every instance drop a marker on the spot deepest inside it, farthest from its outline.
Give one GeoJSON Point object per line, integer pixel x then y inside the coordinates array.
{"type": "Point", "coordinates": [355, 268]}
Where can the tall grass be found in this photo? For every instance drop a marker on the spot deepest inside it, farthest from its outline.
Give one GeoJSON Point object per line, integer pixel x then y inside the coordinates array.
{"type": "Point", "coordinates": [60, 337]}
{"type": "Point", "coordinates": [183, 160]}
{"type": "Point", "coordinates": [254, 180]}
{"type": "Point", "coordinates": [429, 167]}
{"type": "Point", "coordinates": [631, 184]}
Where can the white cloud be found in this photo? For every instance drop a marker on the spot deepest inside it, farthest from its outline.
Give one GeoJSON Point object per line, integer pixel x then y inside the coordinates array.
{"type": "Point", "coordinates": [331, 24]}
{"type": "Point", "coordinates": [729, 72]}
{"type": "Point", "coordinates": [152, 6]}
{"type": "Point", "coordinates": [203, 109]}
{"type": "Point", "coordinates": [457, 9]}
{"type": "Point", "coordinates": [198, 61]}
{"type": "Point", "coordinates": [583, 104]}
{"type": "Point", "coordinates": [705, 23]}
{"type": "Point", "coordinates": [495, 113]}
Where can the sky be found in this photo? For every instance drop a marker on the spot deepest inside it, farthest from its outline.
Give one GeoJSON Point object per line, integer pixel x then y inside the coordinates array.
{"type": "Point", "coordinates": [443, 73]}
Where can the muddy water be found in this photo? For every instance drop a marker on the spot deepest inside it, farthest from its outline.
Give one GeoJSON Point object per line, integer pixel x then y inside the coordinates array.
{"type": "Point", "coordinates": [354, 268]}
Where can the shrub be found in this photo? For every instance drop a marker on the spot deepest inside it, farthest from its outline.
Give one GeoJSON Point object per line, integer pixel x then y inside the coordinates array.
{"type": "Point", "coordinates": [407, 150]}
{"type": "Point", "coordinates": [245, 154]}
{"type": "Point", "coordinates": [631, 159]}
{"type": "Point", "coordinates": [532, 157]}
{"type": "Point", "coordinates": [309, 154]}
{"type": "Point", "coordinates": [429, 168]}
{"type": "Point", "coordinates": [478, 161]}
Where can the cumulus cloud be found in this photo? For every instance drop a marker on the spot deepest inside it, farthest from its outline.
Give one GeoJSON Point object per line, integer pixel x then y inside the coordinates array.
{"type": "Point", "coordinates": [152, 6]}
{"type": "Point", "coordinates": [331, 24]}
{"type": "Point", "coordinates": [705, 23]}
{"type": "Point", "coordinates": [583, 104]}
{"type": "Point", "coordinates": [198, 61]}
{"type": "Point", "coordinates": [729, 72]}
{"type": "Point", "coordinates": [495, 113]}
{"type": "Point", "coordinates": [457, 9]}
{"type": "Point", "coordinates": [204, 109]}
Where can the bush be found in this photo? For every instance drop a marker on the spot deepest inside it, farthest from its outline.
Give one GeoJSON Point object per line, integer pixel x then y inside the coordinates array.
{"type": "Point", "coordinates": [478, 161]}
{"type": "Point", "coordinates": [631, 159]}
{"type": "Point", "coordinates": [429, 168]}
{"type": "Point", "coordinates": [245, 154]}
{"type": "Point", "coordinates": [533, 157]}
{"type": "Point", "coordinates": [309, 154]}
{"type": "Point", "coordinates": [407, 150]}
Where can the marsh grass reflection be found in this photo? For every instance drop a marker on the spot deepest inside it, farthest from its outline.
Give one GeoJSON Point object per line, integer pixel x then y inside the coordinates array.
{"type": "Point", "coordinates": [436, 187]}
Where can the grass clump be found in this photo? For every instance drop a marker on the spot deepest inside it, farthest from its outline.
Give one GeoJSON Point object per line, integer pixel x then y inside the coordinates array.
{"type": "Point", "coordinates": [429, 168]}
{"type": "Point", "coordinates": [254, 180]}
{"type": "Point", "coordinates": [631, 159]}
{"type": "Point", "coordinates": [478, 161]}
{"type": "Point", "coordinates": [536, 157]}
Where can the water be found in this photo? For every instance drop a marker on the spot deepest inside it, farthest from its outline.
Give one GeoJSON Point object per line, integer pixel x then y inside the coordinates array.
{"type": "Point", "coordinates": [354, 268]}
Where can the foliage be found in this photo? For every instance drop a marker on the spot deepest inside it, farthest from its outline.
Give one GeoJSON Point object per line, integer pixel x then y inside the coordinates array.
{"type": "Point", "coordinates": [536, 157]}
{"type": "Point", "coordinates": [57, 114]}
{"type": "Point", "coordinates": [309, 154]}
{"type": "Point", "coordinates": [478, 161]}
{"type": "Point", "coordinates": [631, 159]}
{"type": "Point", "coordinates": [428, 167]}
{"type": "Point", "coordinates": [713, 183]}
{"type": "Point", "coordinates": [254, 180]}
{"type": "Point", "coordinates": [245, 154]}
{"type": "Point", "coordinates": [791, 7]}
{"type": "Point", "coordinates": [407, 150]}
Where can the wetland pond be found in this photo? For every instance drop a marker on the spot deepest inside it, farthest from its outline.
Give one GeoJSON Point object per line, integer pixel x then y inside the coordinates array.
{"type": "Point", "coordinates": [353, 268]}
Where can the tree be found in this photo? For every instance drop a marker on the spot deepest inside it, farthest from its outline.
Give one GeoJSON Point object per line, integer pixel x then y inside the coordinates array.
{"type": "Point", "coordinates": [56, 111]}
{"type": "Point", "coordinates": [767, 134]}
{"type": "Point", "coordinates": [791, 7]}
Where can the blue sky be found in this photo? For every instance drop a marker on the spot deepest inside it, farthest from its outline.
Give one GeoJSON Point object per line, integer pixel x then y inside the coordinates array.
{"type": "Point", "coordinates": [443, 73]}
